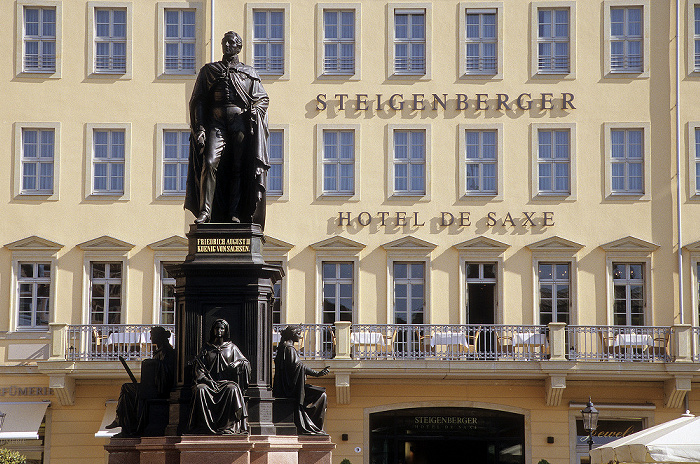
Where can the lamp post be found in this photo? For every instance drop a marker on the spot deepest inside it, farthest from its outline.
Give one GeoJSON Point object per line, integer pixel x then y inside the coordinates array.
{"type": "Point", "coordinates": [2, 419]}
{"type": "Point", "coordinates": [590, 421]}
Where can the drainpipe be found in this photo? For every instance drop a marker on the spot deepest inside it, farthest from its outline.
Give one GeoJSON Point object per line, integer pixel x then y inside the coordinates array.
{"type": "Point", "coordinates": [213, 41]}
{"type": "Point", "coordinates": [678, 163]}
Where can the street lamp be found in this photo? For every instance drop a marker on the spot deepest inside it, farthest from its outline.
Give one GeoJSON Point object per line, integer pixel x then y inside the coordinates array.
{"type": "Point", "coordinates": [590, 421]}
{"type": "Point", "coordinates": [2, 419]}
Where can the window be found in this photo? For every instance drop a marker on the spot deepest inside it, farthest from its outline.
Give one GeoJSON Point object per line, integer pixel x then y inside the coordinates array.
{"type": "Point", "coordinates": [628, 293]}
{"type": "Point", "coordinates": [553, 161]}
{"type": "Point", "coordinates": [39, 39]}
{"type": "Point", "coordinates": [37, 161]}
{"type": "Point", "coordinates": [481, 42]}
{"type": "Point", "coordinates": [409, 162]}
{"type": "Point", "coordinates": [108, 161]}
{"type": "Point", "coordinates": [409, 42]}
{"type": "Point", "coordinates": [338, 162]}
{"type": "Point", "coordinates": [694, 36]}
{"type": "Point", "coordinates": [697, 159]}
{"type": "Point", "coordinates": [176, 149]}
{"type": "Point", "coordinates": [167, 296]}
{"type": "Point", "coordinates": [481, 292]}
{"type": "Point", "coordinates": [481, 162]}
{"type": "Point", "coordinates": [276, 296]}
{"type": "Point", "coordinates": [105, 292]}
{"type": "Point", "coordinates": [34, 290]}
{"type": "Point", "coordinates": [180, 41]}
{"type": "Point", "coordinates": [553, 40]}
{"type": "Point", "coordinates": [409, 292]}
{"type": "Point", "coordinates": [694, 162]}
{"type": "Point", "coordinates": [110, 40]}
{"type": "Point", "coordinates": [275, 175]}
{"type": "Point", "coordinates": [339, 42]}
{"type": "Point", "coordinates": [268, 41]}
{"type": "Point", "coordinates": [338, 292]}
{"type": "Point", "coordinates": [626, 33]}
{"type": "Point", "coordinates": [627, 160]}
{"type": "Point", "coordinates": [628, 157]}
{"type": "Point", "coordinates": [554, 292]}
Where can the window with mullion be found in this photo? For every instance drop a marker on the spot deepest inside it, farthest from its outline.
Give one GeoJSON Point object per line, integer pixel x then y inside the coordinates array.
{"type": "Point", "coordinates": [110, 40]}
{"type": "Point", "coordinates": [481, 42]}
{"type": "Point", "coordinates": [268, 41]}
{"type": "Point", "coordinates": [337, 291]}
{"type": "Point", "coordinates": [338, 42]}
{"type": "Point", "coordinates": [553, 41]}
{"type": "Point", "coordinates": [40, 39]}
{"type": "Point", "coordinates": [409, 43]}
{"type": "Point", "coordinates": [34, 293]}
{"type": "Point", "coordinates": [697, 160]}
{"type": "Point", "coordinates": [276, 303]}
{"type": "Point", "coordinates": [409, 162]}
{"type": "Point", "coordinates": [409, 292]}
{"type": "Point", "coordinates": [696, 37]}
{"type": "Point", "coordinates": [108, 161]}
{"type": "Point", "coordinates": [481, 161]}
{"type": "Point", "coordinates": [180, 39]}
{"type": "Point", "coordinates": [626, 39]}
{"type": "Point", "coordinates": [105, 292]}
{"type": "Point", "coordinates": [176, 147]}
{"type": "Point", "coordinates": [627, 160]}
{"type": "Point", "coordinates": [167, 296]}
{"type": "Point", "coordinates": [553, 161]}
{"type": "Point", "coordinates": [628, 293]}
{"type": "Point", "coordinates": [37, 161]}
{"type": "Point", "coordinates": [554, 292]}
{"type": "Point", "coordinates": [275, 175]}
{"type": "Point", "coordinates": [338, 162]}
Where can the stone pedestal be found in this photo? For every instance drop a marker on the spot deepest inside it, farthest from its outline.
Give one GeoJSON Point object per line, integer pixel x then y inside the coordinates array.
{"type": "Point", "coordinates": [197, 449]}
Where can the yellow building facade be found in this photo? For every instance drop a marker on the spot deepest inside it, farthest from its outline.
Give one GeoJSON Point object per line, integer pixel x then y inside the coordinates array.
{"type": "Point", "coordinates": [485, 210]}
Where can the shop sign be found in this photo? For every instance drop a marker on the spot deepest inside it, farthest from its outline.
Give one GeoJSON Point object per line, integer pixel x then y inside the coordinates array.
{"type": "Point", "coordinates": [522, 219]}
{"type": "Point", "coordinates": [16, 390]}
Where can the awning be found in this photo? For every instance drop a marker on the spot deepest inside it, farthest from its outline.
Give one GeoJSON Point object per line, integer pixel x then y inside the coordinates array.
{"type": "Point", "coordinates": [22, 419]}
{"type": "Point", "coordinates": [108, 418]}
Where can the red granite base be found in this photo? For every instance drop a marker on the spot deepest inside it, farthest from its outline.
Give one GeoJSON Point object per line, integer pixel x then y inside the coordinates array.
{"type": "Point", "coordinates": [214, 449]}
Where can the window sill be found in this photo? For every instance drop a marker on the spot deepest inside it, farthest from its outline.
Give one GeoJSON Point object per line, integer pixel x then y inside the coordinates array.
{"type": "Point", "coordinates": [40, 74]}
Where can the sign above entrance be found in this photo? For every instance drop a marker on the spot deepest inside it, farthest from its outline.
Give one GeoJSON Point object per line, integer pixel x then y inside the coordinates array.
{"type": "Point", "coordinates": [523, 219]}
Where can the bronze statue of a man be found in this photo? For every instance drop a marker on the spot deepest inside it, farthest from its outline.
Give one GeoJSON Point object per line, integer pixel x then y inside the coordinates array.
{"type": "Point", "coordinates": [229, 141]}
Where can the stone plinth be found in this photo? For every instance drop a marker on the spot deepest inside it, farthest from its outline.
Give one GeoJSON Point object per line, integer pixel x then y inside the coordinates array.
{"type": "Point", "coordinates": [215, 449]}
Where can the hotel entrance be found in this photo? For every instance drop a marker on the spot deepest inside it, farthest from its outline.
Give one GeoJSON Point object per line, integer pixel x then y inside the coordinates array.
{"type": "Point", "coordinates": [439, 435]}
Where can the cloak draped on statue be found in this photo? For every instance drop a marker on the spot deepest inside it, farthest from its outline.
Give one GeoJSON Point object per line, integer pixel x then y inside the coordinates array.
{"type": "Point", "coordinates": [246, 81]}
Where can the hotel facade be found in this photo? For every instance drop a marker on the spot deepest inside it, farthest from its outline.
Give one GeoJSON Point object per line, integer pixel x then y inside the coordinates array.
{"type": "Point", "coordinates": [486, 212]}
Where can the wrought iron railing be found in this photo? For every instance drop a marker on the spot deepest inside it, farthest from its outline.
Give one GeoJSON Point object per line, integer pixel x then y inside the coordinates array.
{"type": "Point", "coordinates": [618, 343]}
{"type": "Point", "coordinates": [106, 342]}
{"type": "Point", "coordinates": [317, 341]}
{"type": "Point", "coordinates": [696, 344]}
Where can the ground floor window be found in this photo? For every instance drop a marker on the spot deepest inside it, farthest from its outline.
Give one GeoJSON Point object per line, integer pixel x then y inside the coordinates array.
{"type": "Point", "coordinates": [608, 430]}
{"type": "Point", "coordinates": [441, 435]}
{"type": "Point", "coordinates": [32, 449]}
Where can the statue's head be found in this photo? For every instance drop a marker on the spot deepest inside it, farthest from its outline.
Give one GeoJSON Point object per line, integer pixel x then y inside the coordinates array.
{"type": "Point", "coordinates": [219, 329]}
{"type": "Point", "coordinates": [231, 44]}
{"type": "Point", "coordinates": [291, 332]}
{"type": "Point", "coordinates": [160, 336]}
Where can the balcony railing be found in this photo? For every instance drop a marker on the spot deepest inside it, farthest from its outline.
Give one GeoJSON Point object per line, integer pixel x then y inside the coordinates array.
{"type": "Point", "coordinates": [618, 343]}
{"type": "Point", "coordinates": [106, 342]}
{"type": "Point", "coordinates": [317, 341]}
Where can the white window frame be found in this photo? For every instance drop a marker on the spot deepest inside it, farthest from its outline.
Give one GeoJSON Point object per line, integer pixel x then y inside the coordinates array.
{"type": "Point", "coordinates": [283, 288]}
{"type": "Point", "coordinates": [92, 48]}
{"type": "Point", "coordinates": [249, 43]}
{"type": "Point", "coordinates": [286, 184]}
{"type": "Point", "coordinates": [480, 7]}
{"type": "Point", "coordinates": [693, 160]}
{"type": "Point", "coordinates": [646, 133]}
{"type": "Point", "coordinates": [321, 72]}
{"type": "Point", "coordinates": [320, 150]}
{"type": "Point", "coordinates": [462, 160]}
{"type": "Point", "coordinates": [105, 250]}
{"type": "Point", "coordinates": [692, 63]}
{"type": "Point", "coordinates": [626, 282]}
{"type": "Point", "coordinates": [19, 127]}
{"type": "Point", "coordinates": [160, 161]}
{"type": "Point", "coordinates": [89, 160]}
{"type": "Point", "coordinates": [339, 281]}
{"type": "Point", "coordinates": [337, 255]}
{"type": "Point", "coordinates": [32, 250]}
{"type": "Point", "coordinates": [535, 128]}
{"type": "Point", "coordinates": [20, 39]}
{"type": "Point", "coordinates": [170, 250]}
{"type": "Point", "coordinates": [107, 282]}
{"type": "Point", "coordinates": [391, 193]}
{"type": "Point", "coordinates": [410, 8]}
{"type": "Point", "coordinates": [199, 33]}
{"type": "Point", "coordinates": [275, 250]}
{"type": "Point", "coordinates": [481, 41]}
{"type": "Point", "coordinates": [694, 252]}
{"type": "Point", "coordinates": [553, 261]}
{"type": "Point", "coordinates": [535, 40]}
{"type": "Point", "coordinates": [481, 254]}
{"type": "Point", "coordinates": [646, 48]}
{"type": "Point", "coordinates": [630, 257]}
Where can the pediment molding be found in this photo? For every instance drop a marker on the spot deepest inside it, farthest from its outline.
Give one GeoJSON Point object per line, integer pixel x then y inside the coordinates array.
{"type": "Point", "coordinates": [693, 247]}
{"type": "Point", "coordinates": [273, 244]}
{"type": "Point", "coordinates": [409, 243]}
{"type": "Point", "coordinates": [105, 243]}
{"type": "Point", "coordinates": [338, 243]}
{"type": "Point", "coordinates": [630, 244]}
{"type": "Point", "coordinates": [482, 244]}
{"type": "Point", "coordinates": [34, 243]}
{"type": "Point", "coordinates": [555, 244]}
{"type": "Point", "coordinates": [174, 243]}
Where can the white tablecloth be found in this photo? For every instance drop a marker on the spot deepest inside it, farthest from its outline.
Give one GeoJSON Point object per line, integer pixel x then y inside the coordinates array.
{"type": "Point", "coordinates": [448, 338]}
{"type": "Point", "coordinates": [366, 338]}
{"type": "Point", "coordinates": [529, 338]}
{"type": "Point", "coordinates": [127, 337]}
{"type": "Point", "coordinates": [633, 340]}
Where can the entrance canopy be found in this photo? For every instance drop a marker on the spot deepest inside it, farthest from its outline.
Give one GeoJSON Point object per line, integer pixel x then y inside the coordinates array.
{"type": "Point", "coordinates": [22, 419]}
{"type": "Point", "coordinates": [676, 441]}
